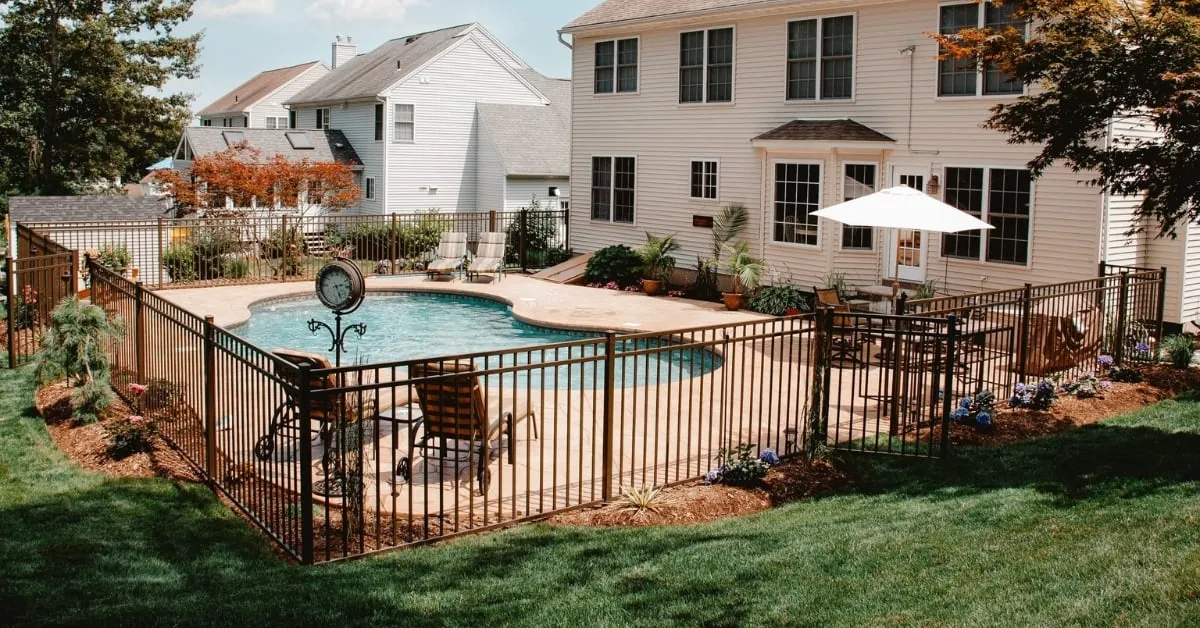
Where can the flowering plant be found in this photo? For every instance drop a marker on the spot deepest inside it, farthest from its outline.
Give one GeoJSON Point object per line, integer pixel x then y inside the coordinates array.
{"type": "Point", "coordinates": [1086, 387]}
{"type": "Point", "coordinates": [1039, 396]}
{"type": "Point", "coordinates": [1105, 361]}
{"type": "Point", "coordinates": [633, 289]}
{"type": "Point", "coordinates": [979, 409]}
{"type": "Point", "coordinates": [129, 435]}
{"type": "Point", "coordinates": [25, 314]}
{"type": "Point", "coordinates": [740, 467]}
{"type": "Point", "coordinates": [678, 294]}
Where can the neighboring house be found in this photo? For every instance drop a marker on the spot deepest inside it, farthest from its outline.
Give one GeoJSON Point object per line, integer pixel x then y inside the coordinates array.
{"type": "Point", "coordinates": [683, 106]}
{"type": "Point", "coordinates": [450, 119]}
{"type": "Point", "coordinates": [258, 103]}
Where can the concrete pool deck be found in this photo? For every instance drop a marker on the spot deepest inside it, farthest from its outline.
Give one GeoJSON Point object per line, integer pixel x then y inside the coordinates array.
{"type": "Point", "coordinates": [532, 300]}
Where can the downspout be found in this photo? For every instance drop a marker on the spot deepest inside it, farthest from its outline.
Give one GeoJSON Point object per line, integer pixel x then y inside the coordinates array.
{"type": "Point", "coordinates": [381, 195]}
{"type": "Point", "coordinates": [569, 45]}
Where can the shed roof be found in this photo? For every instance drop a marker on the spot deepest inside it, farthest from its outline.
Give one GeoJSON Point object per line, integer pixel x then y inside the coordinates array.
{"type": "Point", "coordinates": [533, 140]}
{"type": "Point", "coordinates": [327, 145]}
{"type": "Point", "coordinates": [98, 207]}
{"type": "Point", "coordinates": [252, 91]}
{"type": "Point", "coordinates": [844, 130]}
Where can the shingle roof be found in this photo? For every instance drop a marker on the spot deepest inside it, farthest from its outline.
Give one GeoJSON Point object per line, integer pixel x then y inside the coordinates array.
{"type": "Point", "coordinates": [613, 11]}
{"type": "Point", "coordinates": [369, 74]}
{"type": "Point", "coordinates": [254, 90]}
{"type": "Point", "coordinates": [327, 145]}
{"type": "Point", "coordinates": [533, 140]}
{"type": "Point", "coordinates": [101, 207]}
{"type": "Point", "coordinates": [825, 131]}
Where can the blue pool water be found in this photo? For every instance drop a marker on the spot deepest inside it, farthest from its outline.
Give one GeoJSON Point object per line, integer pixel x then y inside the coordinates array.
{"type": "Point", "coordinates": [406, 326]}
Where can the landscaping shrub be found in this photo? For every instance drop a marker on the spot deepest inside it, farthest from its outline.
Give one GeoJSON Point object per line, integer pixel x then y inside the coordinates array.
{"type": "Point", "coordinates": [128, 436]}
{"type": "Point", "coordinates": [423, 237]}
{"type": "Point", "coordinates": [540, 231]}
{"type": "Point", "coordinates": [239, 268]}
{"type": "Point", "coordinates": [978, 409]}
{"type": "Point", "coordinates": [705, 287]}
{"type": "Point", "coordinates": [740, 467]}
{"type": "Point", "coordinates": [272, 247]}
{"type": "Point", "coordinates": [1179, 350]}
{"type": "Point", "coordinates": [618, 264]}
{"type": "Point", "coordinates": [74, 349]}
{"type": "Point", "coordinates": [25, 312]}
{"type": "Point", "coordinates": [179, 260]}
{"type": "Point", "coordinates": [1086, 387]}
{"type": "Point", "coordinates": [1039, 396]}
{"type": "Point", "coordinates": [209, 246]}
{"type": "Point", "coordinates": [115, 258]}
{"type": "Point", "coordinates": [1125, 374]}
{"type": "Point", "coordinates": [780, 300]}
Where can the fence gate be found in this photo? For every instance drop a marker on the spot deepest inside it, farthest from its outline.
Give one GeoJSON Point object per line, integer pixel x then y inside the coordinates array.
{"type": "Point", "coordinates": [887, 384]}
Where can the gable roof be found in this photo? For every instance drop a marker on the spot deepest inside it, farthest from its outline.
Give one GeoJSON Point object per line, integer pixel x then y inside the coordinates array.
{"type": "Point", "coordinates": [98, 207]}
{"type": "Point", "coordinates": [366, 75]}
{"type": "Point", "coordinates": [616, 11]}
{"type": "Point", "coordinates": [254, 90]}
{"type": "Point", "coordinates": [845, 130]}
{"type": "Point", "coordinates": [533, 140]}
{"type": "Point", "coordinates": [327, 145]}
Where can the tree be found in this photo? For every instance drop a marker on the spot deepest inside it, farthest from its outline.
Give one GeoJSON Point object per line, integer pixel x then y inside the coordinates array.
{"type": "Point", "coordinates": [1094, 62]}
{"type": "Point", "coordinates": [77, 89]}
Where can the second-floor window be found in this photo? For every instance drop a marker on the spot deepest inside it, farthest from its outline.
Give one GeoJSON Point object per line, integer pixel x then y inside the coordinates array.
{"type": "Point", "coordinates": [706, 66]}
{"type": "Point", "coordinates": [369, 192]}
{"type": "Point", "coordinates": [616, 66]}
{"type": "Point", "coordinates": [614, 191]}
{"type": "Point", "coordinates": [704, 179]}
{"type": "Point", "coordinates": [405, 127]}
{"type": "Point", "coordinates": [378, 122]}
{"type": "Point", "coordinates": [820, 56]}
{"type": "Point", "coordinates": [966, 77]}
{"type": "Point", "coordinates": [322, 118]}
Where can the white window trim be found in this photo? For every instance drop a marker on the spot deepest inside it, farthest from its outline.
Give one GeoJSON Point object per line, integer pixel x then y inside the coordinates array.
{"type": "Point", "coordinates": [853, 62]}
{"type": "Point", "coordinates": [689, 179]}
{"type": "Point", "coordinates": [770, 218]}
{"type": "Point", "coordinates": [982, 260]}
{"type": "Point", "coordinates": [369, 189]}
{"type": "Point", "coordinates": [733, 66]}
{"type": "Point", "coordinates": [637, 177]}
{"type": "Point", "coordinates": [324, 118]}
{"type": "Point", "coordinates": [842, 192]}
{"type": "Point", "coordinates": [396, 140]}
{"type": "Point", "coordinates": [616, 46]}
{"type": "Point", "coordinates": [980, 76]}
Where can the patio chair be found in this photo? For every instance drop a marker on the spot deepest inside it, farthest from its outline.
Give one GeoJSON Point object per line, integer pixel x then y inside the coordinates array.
{"type": "Point", "coordinates": [489, 257]}
{"type": "Point", "coordinates": [350, 407]}
{"type": "Point", "coordinates": [847, 342]}
{"type": "Point", "coordinates": [457, 422]}
{"type": "Point", "coordinates": [450, 253]}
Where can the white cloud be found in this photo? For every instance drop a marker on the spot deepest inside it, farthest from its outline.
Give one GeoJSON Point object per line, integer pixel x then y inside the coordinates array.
{"type": "Point", "coordinates": [211, 8]}
{"type": "Point", "coordinates": [360, 9]}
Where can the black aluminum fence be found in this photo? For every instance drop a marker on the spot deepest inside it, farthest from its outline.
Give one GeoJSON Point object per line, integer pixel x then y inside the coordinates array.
{"type": "Point", "coordinates": [1053, 331]}
{"type": "Point", "coordinates": [257, 248]}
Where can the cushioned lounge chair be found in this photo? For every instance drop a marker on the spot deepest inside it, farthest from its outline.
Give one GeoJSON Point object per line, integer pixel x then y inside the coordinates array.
{"type": "Point", "coordinates": [489, 257]}
{"type": "Point", "coordinates": [450, 253]}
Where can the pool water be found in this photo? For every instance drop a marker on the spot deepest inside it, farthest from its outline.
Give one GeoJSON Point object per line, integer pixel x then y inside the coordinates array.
{"type": "Point", "coordinates": [407, 326]}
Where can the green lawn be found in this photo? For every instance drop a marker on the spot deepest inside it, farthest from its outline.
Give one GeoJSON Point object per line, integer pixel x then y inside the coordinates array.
{"type": "Point", "coordinates": [1097, 527]}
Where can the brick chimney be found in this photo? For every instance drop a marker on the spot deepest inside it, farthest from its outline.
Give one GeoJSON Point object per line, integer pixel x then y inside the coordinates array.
{"type": "Point", "coordinates": [344, 49]}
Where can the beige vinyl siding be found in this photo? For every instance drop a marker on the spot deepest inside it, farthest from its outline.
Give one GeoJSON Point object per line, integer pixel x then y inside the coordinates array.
{"type": "Point", "coordinates": [444, 96]}
{"type": "Point", "coordinates": [272, 105]}
{"type": "Point", "coordinates": [1190, 277]}
{"type": "Point", "coordinates": [666, 136]}
{"type": "Point", "coordinates": [520, 191]}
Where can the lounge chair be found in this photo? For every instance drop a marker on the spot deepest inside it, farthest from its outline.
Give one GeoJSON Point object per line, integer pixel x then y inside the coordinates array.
{"type": "Point", "coordinates": [847, 342]}
{"type": "Point", "coordinates": [450, 253]}
{"type": "Point", "coordinates": [489, 257]}
{"type": "Point", "coordinates": [457, 423]}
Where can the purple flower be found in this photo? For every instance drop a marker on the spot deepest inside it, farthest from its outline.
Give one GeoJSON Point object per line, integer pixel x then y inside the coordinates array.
{"type": "Point", "coordinates": [965, 402]}
{"type": "Point", "coordinates": [769, 457]}
{"type": "Point", "coordinates": [984, 418]}
{"type": "Point", "coordinates": [1106, 360]}
{"type": "Point", "coordinates": [1142, 347]}
{"type": "Point", "coordinates": [713, 476]}
{"type": "Point", "coordinates": [1105, 385]}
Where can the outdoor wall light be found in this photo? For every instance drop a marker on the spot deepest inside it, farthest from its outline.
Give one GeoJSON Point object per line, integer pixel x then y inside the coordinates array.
{"type": "Point", "coordinates": [934, 186]}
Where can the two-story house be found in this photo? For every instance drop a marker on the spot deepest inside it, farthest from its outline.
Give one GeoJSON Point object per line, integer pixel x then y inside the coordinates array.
{"type": "Point", "coordinates": [449, 119]}
{"type": "Point", "coordinates": [258, 103]}
{"type": "Point", "coordinates": [682, 106]}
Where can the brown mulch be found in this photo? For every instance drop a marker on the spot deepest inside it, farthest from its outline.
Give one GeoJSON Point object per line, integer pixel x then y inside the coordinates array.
{"type": "Point", "coordinates": [87, 445]}
{"type": "Point", "coordinates": [696, 502]}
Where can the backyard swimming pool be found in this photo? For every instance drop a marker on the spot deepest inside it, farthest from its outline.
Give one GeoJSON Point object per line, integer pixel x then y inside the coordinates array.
{"type": "Point", "coordinates": [413, 325]}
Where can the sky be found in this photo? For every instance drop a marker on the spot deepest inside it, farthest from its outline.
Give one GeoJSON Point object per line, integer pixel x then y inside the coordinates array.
{"type": "Point", "coordinates": [245, 37]}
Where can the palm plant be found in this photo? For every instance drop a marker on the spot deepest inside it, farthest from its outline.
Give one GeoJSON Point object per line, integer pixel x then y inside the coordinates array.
{"type": "Point", "coordinates": [727, 226]}
{"type": "Point", "coordinates": [657, 256]}
{"type": "Point", "coordinates": [747, 271]}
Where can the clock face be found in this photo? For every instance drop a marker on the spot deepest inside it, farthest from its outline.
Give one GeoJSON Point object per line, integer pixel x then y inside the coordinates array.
{"type": "Point", "coordinates": [338, 287]}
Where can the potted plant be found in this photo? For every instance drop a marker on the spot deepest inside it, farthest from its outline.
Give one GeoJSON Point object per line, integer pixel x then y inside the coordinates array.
{"type": "Point", "coordinates": [747, 273]}
{"type": "Point", "coordinates": [658, 262]}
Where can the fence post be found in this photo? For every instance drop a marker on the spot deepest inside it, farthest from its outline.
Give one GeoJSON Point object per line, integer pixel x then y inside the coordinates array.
{"type": "Point", "coordinates": [1103, 269]}
{"type": "Point", "coordinates": [161, 266]}
{"type": "Point", "coordinates": [566, 218]}
{"type": "Point", "coordinates": [139, 331]}
{"type": "Point", "coordinates": [1023, 346]}
{"type": "Point", "coordinates": [524, 218]}
{"type": "Point", "coordinates": [395, 238]}
{"type": "Point", "coordinates": [1122, 305]}
{"type": "Point", "coordinates": [948, 396]}
{"type": "Point", "coordinates": [284, 242]}
{"type": "Point", "coordinates": [210, 399]}
{"type": "Point", "coordinates": [902, 304]}
{"type": "Point", "coordinates": [818, 413]}
{"type": "Point", "coordinates": [304, 418]}
{"type": "Point", "coordinates": [610, 368]}
{"type": "Point", "coordinates": [10, 277]}
{"type": "Point", "coordinates": [492, 221]}
{"type": "Point", "coordinates": [1162, 310]}
{"type": "Point", "coordinates": [74, 274]}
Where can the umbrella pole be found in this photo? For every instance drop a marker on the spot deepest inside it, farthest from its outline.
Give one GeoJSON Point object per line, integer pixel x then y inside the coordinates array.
{"type": "Point", "coordinates": [896, 273]}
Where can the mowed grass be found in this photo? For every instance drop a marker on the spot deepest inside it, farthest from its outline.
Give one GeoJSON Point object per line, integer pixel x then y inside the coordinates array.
{"type": "Point", "coordinates": [1097, 527]}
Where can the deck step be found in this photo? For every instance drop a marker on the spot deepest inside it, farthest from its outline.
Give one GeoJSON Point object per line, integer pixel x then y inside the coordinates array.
{"type": "Point", "coordinates": [315, 243]}
{"type": "Point", "coordinates": [568, 272]}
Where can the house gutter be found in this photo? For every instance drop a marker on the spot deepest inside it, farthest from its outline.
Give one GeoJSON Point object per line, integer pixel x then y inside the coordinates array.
{"type": "Point", "coordinates": [569, 45]}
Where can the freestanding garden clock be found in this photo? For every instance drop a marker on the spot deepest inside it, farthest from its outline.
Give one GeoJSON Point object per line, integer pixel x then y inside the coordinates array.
{"type": "Point", "coordinates": [341, 288]}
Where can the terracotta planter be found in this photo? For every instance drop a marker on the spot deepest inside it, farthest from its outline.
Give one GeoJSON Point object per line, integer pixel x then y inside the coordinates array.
{"type": "Point", "coordinates": [652, 286]}
{"type": "Point", "coordinates": [734, 300]}
{"type": "Point", "coordinates": [134, 271]}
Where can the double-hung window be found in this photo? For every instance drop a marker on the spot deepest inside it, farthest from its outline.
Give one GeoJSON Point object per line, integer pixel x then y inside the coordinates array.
{"type": "Point", "coordinates": [323, 118]}
{"type": "Point", "coordinates": [967, 77]}
{"type": "Point", "coordinates": [820, 58]}
{"type": "Point", "coordinates": [859, 181]}
{"type": "Point", "coordinates": [706, 66]}
{"type": "Point", "coordinates": [405, 131]}
{"type": "Point", "coordinates": [378, 122]}
{"type": "Point", "coordinates": [704, 179]}
{"type": "Point", "coordinates": [616, 66]}
{"type": "Point", "coordinates": [369, 191]}
{"type": "Point", "coordinates": [614, 188]}
{"type": "Point", "coordinates": [1001, 197]}
{"type": "Point", "coordinates": [797, 196]}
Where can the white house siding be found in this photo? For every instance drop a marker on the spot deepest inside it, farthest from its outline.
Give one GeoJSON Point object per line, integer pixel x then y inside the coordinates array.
{"type": "Point", "coordinates": [238, 122]}
{"type": "Point", "coordinates": [490, 175]}
{"type": "Point", "coordinates": [272, 105]}
{"type": "Point", "coordinates": [1190, 277]}
{"type": "Point", "coordinates": [446, 129]}
{"type": "Point", "coordinates": [520, 191]}
{"type": "Point", "coordinates": [357, 122]}
{"type": "Point", "coordinates": [665, 136]}
{"type": "Point", "coordinates": [499, 51]}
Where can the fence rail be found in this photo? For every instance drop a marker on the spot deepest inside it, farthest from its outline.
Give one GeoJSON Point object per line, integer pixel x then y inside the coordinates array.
{"type": "Point", "coordinates": [33, 286]}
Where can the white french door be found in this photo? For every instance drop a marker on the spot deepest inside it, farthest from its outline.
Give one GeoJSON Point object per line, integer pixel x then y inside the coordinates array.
{"type": "Point", "coordinates": [913, 246]}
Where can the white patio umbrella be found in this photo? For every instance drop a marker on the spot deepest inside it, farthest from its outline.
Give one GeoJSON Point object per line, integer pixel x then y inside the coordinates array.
{"type": "Point", "coordinates": [902, 207]}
